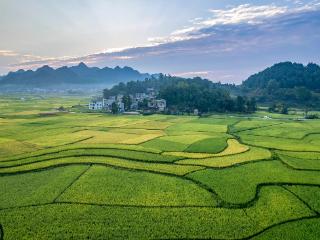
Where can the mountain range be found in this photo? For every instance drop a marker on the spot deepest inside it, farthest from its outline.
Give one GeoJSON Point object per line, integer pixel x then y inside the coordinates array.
{"type": "Point", "coordinates": [80, 75]}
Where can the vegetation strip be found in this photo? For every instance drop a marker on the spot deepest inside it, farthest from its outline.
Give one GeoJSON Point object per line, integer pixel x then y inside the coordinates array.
{"type": "Point", "coordinates": [77, 148]}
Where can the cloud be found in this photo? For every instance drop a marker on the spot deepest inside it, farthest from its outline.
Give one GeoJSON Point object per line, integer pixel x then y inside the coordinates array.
{"type": "Point", "coordinates": [8, 53]}
{"type": "Point", "coordinates": [192, 74]}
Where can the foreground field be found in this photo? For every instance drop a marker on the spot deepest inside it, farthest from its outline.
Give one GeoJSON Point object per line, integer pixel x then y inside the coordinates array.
{"type": "Point", "coordinates": [98, 176]}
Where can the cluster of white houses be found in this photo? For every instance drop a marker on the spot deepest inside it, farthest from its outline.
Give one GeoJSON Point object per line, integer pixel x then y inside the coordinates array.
{"type": "Point", "coordinates": [158, 105]}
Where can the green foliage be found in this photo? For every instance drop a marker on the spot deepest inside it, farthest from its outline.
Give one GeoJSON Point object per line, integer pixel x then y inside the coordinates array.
{"type": "Point", "coordinates": [286, 75]}
{"type": "Point", "coordinates": [114, 108]}
{"type": "Point", "coordinates": [185, 94]}
{"type": "Point", "coordinates": [127, 102]}
{"type": "Point", "coordinates": [288, 82]}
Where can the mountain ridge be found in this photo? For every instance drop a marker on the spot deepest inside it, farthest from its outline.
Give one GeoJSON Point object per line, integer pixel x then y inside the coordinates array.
{"type": "Point", "coordinates": [81, 74]}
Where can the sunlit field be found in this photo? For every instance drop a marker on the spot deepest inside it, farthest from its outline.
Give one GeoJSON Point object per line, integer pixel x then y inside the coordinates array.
{"type": "Point", "coordinates": [78, 175]}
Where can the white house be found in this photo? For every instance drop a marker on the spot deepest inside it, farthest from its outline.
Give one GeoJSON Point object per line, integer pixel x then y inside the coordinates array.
{"type": "Point", "coordinates": [107, 103]}
{"type": "Point", "coordinates": [95, 105]}
{"type": "Point", "coordinates": [158, 104]}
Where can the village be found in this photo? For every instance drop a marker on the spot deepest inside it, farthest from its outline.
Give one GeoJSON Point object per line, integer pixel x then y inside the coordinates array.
{"type": "Point", "coordinates": [131, 103]}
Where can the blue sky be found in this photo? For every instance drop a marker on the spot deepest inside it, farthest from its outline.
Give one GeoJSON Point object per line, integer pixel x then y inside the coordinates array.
{"type": "Point", "coordinates": [220, 40]}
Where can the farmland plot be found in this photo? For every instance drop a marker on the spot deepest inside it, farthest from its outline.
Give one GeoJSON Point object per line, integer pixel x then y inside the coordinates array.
{"type": "Point", "coordinates": [98, 176]}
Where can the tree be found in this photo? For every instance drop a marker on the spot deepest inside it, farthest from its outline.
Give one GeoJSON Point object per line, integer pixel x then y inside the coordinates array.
{"type": "Point", "coordinates": [272, 86]}
{"type": "Point", "coordinates": [284, 109]}
{"type": "Point", "coordinates": [240, 104]}
{"type": "Point", "coordinates": [303, 94]}
{"type": "Point", "coordinates": [126, 99]}
{"type": "Point", "coordinates": [273, 108]}
{"type": "Point", "coordinates": [252, 105]}
{"type": "Point", "coordinates": [143, 105]}
{"type": "Point", "coordinates": [114, 108]}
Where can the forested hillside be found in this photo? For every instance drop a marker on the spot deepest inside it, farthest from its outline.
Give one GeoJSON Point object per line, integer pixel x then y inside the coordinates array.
{"type": "Point", "coordinates": [292, 83]}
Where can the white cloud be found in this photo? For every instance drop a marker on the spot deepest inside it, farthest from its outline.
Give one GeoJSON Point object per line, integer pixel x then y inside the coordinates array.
{"type": "Point", "coordinates": [242, 14]}
{"type": "Point", "coordinates": [192, 74]}
{"type": "Point", "coordinates": [245, 13]}
{"type": "Point", "coordinates": [8, 53]}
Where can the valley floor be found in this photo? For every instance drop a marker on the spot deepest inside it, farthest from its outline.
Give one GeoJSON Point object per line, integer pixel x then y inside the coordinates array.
{"type": "Point", "coordinates": [98, 176]}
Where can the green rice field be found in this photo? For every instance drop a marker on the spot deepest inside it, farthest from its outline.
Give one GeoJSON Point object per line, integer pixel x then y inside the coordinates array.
{"type": "Point", "coordinates": [78, 175]}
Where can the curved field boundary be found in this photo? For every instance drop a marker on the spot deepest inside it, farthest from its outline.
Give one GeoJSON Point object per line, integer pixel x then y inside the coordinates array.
{"type": "Point", "coordinates": [304, 202]}
{"type": "Point", "coordinates": [269, 148]}
{"type": "Point", "coordinates": [163, 168]}
{"type": "Point", "coordinates": [253, 128]}
{"type": "Point", "coordinates": [163, 207]}
{"type": "Point", "coordinates": [78, 148]}
{"type": "Point", "coordinates": [278, 224]}
{"type": "Point", "coordinates": [231, 149]}
{"type": "Point", "coordinates": [291, 138]}
{"type": "Point", "coordinates": [254, 154]}
{"type": "Point", "coordinates": [229, 206]}
{"type": "Point", "coordinates": [75, 155]}
{"type": "Point", "coordinates": [220, 202]}
{"type": "Point", "coordinates": [295, 168]}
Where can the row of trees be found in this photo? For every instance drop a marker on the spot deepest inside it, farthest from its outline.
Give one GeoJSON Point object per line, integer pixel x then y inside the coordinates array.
{"type": "Point", "coordinates": [185, 95]}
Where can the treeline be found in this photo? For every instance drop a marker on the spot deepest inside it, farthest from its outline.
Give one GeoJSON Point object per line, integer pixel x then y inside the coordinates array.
{"type": "Point", "coordinates": [187, 94]}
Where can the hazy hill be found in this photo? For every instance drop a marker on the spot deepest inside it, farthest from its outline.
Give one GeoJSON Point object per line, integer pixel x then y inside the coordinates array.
{"type": "Point", "coordinates": [47, 77]}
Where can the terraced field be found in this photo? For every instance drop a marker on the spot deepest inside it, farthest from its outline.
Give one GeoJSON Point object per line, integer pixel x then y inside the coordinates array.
{"type": "Point", "coordinates": [98, 176]}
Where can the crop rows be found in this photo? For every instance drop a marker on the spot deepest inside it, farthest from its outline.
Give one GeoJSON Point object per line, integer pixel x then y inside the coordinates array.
{"type": "Point", "coordinates": [219, 177]}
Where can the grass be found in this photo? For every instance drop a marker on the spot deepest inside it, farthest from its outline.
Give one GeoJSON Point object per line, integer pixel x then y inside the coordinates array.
{"type": "Point", "coordinates": [74, 221]}
{"type": "Point", "coordinates": [36, 188]}
{"type": "Point", "coordinates": [239, 185]}
{"type": "Point", "coordinates": [135, 188]}
{"type": "Point", "coordinates": [155, 167]}
{"type": "Point", "coordinates": [298, 163]}
{"type": "Point", "coordinates": [302, 229]}
{"type": "Point", "coordinates": [254, 154]}
{"type": "Point", "coordinates": [198, 127]}
{"type": "Point", "coordinates": [285, 144]}
{"type": "Point", "coordinates": [234, 147]}
{"type": "Point", "coordinates": [208, 145]}
{"type": "Point", "coordinates": [311, 195]}
{"type": "Point", "coordinates": [165, 145]}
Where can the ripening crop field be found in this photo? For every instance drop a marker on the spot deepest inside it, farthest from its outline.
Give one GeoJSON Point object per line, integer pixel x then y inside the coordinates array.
{"type": "Point", "coordinates": [77, 175]}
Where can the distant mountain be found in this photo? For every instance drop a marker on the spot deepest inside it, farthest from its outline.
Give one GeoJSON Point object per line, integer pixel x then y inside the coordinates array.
{"type": "Point", "coordinates": [47, 77]}
{"type": "Point", "coordinates": [286, 75]}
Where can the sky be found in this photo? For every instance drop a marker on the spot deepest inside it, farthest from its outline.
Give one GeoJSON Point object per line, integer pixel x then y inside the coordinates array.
{"type": "Point", "coordinates": [223, 40]}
